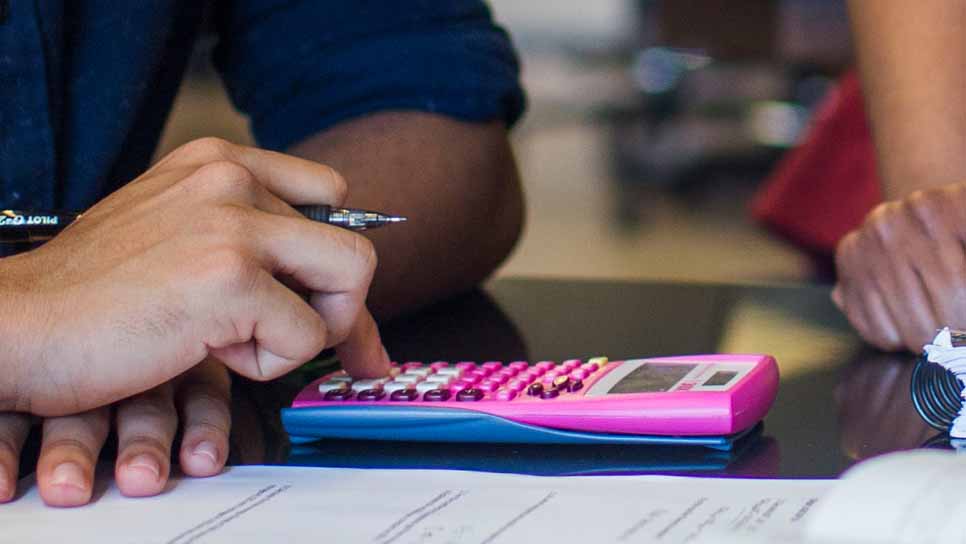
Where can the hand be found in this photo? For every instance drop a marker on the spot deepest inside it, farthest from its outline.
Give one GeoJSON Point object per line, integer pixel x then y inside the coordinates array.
{"type": "Point", "coordinates": [146, 426]}
{"type": "Point", "coordinates": [902, 274]}
{"type": "Point", "coordinates": [189, 260]}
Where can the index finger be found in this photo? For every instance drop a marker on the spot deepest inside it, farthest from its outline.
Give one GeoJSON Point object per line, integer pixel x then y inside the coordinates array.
{"type": "Point", "coordinates": [362, 353]}
{"type": "Point", "coordinates": [294, 180]}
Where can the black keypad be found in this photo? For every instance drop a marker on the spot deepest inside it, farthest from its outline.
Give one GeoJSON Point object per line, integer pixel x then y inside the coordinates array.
{"type": "Point", "coordinates": [470, 394]}
{"type": "Point", "coordinates": [404, 395]}
{"type": "Point", "coordinates": [437, 395]}
{"type": "Point", "coordinates": [371, 394]}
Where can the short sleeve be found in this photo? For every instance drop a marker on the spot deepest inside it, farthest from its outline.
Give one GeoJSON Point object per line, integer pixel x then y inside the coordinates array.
{"type": "Point", "coordinates": [296, 67]}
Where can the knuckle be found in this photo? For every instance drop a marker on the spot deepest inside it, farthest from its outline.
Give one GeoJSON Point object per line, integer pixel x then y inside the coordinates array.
{"type": "Point", "coordinates": [201, 400]}
{"type": "Point", "coordinates": [70, 444]}
{"type": "Point", "coordinates": [143, 441]}
{"type": "Point", "coordinates": [844, 250]}
{"type": "Point", "coordinates": [884, 222]}
{"type": "Point", "coordinates": [923, 204]}
{"type": "Point", "coordinates": [340, 188]}
{"type": "Point", "coordinates": [365, 251]}
{"type": "Point", "coordinates": [146, 408]}
{"type": "Point", "coordinates": [209, 147]}
{"type": "Point", "coordinates": [208, 426]}
{"type": "Point", "coordinates": [231, 269]}
{"type": "Point", "coordinates": [223, 177]}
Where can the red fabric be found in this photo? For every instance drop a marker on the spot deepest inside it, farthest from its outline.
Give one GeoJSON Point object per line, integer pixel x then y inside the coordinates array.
{"type": "Point", "coordinates": [823, 188]}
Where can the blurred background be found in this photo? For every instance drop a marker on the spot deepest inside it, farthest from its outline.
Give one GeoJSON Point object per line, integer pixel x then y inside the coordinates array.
{"type": "Point", "coordinates": [651, 125]}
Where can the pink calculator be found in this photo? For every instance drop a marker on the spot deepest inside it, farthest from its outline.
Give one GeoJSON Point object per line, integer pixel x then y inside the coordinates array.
{"type": "Point", "coordinates": [708, 400]}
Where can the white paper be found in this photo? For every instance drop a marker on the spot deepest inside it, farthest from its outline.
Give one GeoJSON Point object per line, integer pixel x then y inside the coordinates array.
{"type": "Point", "coordinates": [289, 504]}
{"type": "Point", "coordinates": [904, 498]}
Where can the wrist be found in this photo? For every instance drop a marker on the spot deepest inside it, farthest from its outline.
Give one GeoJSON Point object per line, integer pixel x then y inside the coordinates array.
{"type": "Point", "coordinates": [20, 329]}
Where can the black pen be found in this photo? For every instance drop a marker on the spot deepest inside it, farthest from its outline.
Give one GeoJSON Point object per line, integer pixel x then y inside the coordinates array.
{"type": "Point", "coordinates": [17, 226]}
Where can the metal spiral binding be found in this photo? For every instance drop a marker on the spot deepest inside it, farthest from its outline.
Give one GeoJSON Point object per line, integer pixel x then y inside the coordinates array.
{"type": "Point", "coordinates": [936, 391]}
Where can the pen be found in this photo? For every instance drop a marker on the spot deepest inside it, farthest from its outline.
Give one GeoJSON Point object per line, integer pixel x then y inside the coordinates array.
{"type": "Point", "coordinates": [17, 226]}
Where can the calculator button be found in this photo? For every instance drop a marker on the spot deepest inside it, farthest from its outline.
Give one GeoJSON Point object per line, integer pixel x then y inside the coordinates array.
{"type": "Point", "coordinates": [459, 386]}
{"type": "Point", "coordinates": [371, 394]}
{"type": "Point", "coordinates": [404, 395]}
{"type": "Point", "coordinates": [449, 371]}
{"type": "Point", "coordinates": [466, 365]}
{"type": "Point", "coordinates": [575, 385]}
{"type": "Point", "coordinates": [362, 385]}
{"type": "Point", "coordinates": [409, 378]}
{"type": "Point", "coordinates": [518, 365]}
{"type": "Point", "coordinates": [418, 372]}
{"type": "Point", "coordinates": [561, 382]}
{"type": "Point", "coordinates": [478, 373]}
{"type": "Point", "coordinates": [544, 365]}
{"type": "Point", "coordinates": [340, 378]}
{"type": "Point", "coordinates": [488, 385]}
{"type": "Point", "coordinates": [506, 394]}
{"type": "Point", "coordinates": [492, 366]}
{"type": "Point", "coordinates": [339, 394]}
{"type": "Point", "coordinates": [508, 373]}
{"type": "Point", "coordinates": [426, 386]}
{"type": "Point", "coordinates": [469, 380]}
{"type": "Point", "coordinates": [471, 394]}
{"type": "Point", "coordinates": [499, 378]}
{"type": "Point", "coordinates": [531, 375]}
{"type": "Point", "coordinates": [394, 386]}
{"type": "Point", "coordinates": [412, 364]}
{"type": "Point", "coordinates": [516, 385]}
{"type": "Point", "coordinates": [550, 377]}
{"type": "Point", "coordinates": [550, 393]}
{"type": "Point", "coordinates": [438, 365]}
{"type": "Point", "coordinates": [332, 386]}
{"type": "Point", "coordinates": [599, 361]}
{"type": "Point", "coordinates": [535, 390]}
{"type": "Point", "coordinates": [440, 379]}
{"type": "Point", "coordinates": [590, 367]}
{"type": "Point", "coordinates": [570, 364]}
{"type": "Point", "coordinates": [579, 374]}
{"type": "Point", "coordinates": [437, 395]}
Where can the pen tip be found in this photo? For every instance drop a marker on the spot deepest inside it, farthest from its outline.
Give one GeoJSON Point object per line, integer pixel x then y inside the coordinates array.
{"type": "Point", "coordinates": [396, 219]}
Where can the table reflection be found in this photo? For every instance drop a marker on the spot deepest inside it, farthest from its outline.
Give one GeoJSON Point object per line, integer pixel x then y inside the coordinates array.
{"type": "Point", "coordinates": [875, 409]}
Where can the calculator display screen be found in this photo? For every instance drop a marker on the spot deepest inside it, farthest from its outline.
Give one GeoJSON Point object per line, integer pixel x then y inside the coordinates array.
{"type": "Point", "coordinates": [651, 378]}
{"type": "Point", "coordinates": [722, 377]}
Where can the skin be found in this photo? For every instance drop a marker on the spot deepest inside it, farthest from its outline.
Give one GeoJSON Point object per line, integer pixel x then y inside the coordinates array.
{"type": "Point", "coordinates": [459, 186]}
{"type": "Point", "coordinates": [216, 297]}
{"type": "Point", "coordinates": [456, 182]}
{"type": "Point", "coordinates": [900, 271]}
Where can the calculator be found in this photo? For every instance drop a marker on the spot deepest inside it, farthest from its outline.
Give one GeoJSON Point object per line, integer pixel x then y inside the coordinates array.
{"type": "Point", "coordinates": [708, 400]}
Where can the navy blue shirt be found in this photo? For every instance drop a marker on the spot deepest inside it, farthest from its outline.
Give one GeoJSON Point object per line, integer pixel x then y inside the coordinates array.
{"type": "Point", "coordinates": [86, 85]}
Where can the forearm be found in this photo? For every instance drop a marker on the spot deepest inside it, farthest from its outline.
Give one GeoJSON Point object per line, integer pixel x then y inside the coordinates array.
{"type": "Point", "coordinates": [912, 58]}
{"type": "Point", "coordinates": [457, 182]}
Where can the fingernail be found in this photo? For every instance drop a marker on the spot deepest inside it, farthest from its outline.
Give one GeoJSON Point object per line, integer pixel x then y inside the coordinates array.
{"type": "Point", "coordinates": [146, 462]}
{"type": "Point", "coordinates": [271, 365]}
{"type": "Point", "coordinates": [69, 474]}
{"type": "Point", "coordinates": [207, 450]}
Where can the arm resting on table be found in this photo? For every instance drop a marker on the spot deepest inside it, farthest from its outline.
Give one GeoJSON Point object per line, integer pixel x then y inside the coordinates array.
{"type": "Point", "coordinates": [456, 181]}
